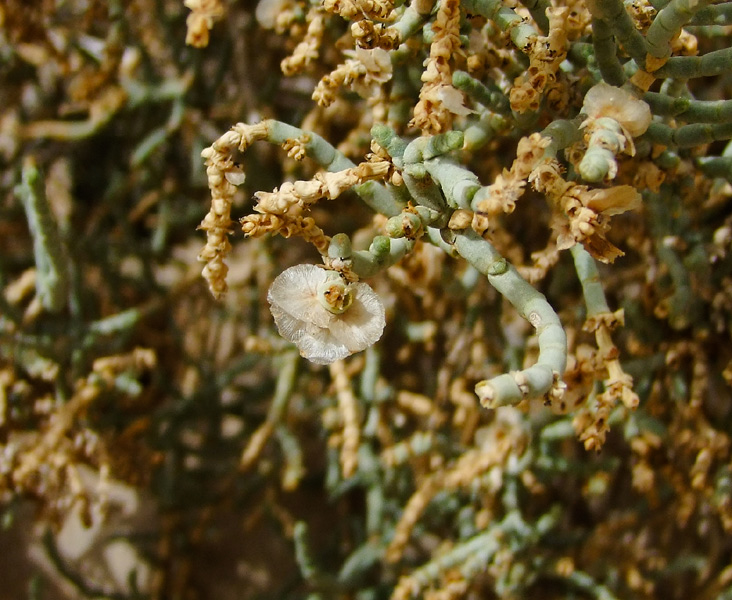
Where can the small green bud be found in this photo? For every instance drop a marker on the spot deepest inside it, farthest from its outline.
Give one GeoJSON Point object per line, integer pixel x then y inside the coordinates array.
{"type": "Point", "coordinates": [407, 224]}
{"type": "Point", "coordinates": [387, 138]}
{"type": "Point", "coordinates": [335, 295]}
{"type": "Point", "coordinates": [394, 227]}
{"type": "Point", "coordinates": [380, 246]}
{"type": "Point", "coordinates": [498, 268]}
{"type": "Point", "coordinates": [593, 167]}
{"type": "Point", "coordinates": [416, 170]}
{"type": "Point", "coordinates": [426, 215]}
{"type": "Point", "coordinates": [340, 246]}
{"type": "Point", "coordinates": [442, 144]}
{"type": "Point", "coordinates": [461, 79]}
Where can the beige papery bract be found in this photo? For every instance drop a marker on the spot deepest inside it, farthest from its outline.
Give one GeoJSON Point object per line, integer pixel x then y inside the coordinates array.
{"type": "Point", "coordinates": [603, 100]}
{"type": "Point", "coordinates": [327, 318]}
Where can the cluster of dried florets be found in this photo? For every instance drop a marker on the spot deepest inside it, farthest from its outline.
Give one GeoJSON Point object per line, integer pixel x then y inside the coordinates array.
{"type": "Point", "coordinates": [438, 99]}
{"type": "Point", "coordinates": [363, 72]}
{"type": "Point", "coordinates": [581, 214]}
{"type": "Point", "coordinates": [546, 55]}
{"type": "Point", "coordinates": [46, 463]}
{"type": "Point", "coordinates": [204, 13]}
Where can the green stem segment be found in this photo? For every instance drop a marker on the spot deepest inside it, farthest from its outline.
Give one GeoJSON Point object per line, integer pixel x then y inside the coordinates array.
{"type": "Point", "coordinates": [613, 13]}
{"type": "Point", "coordinates": [606, 53]}
{"type": "Point", "coordinates": [489, 95]}
{"type": "Point", "coordinates": [719, 166]}
{"type": "Point", "coordinates": [537, 9]}
{"type": "Point", "coordinates": [589, 277]}
{"type": "Point", "coordinates": [687, 136]}
{"type": "Point", "coordinates": [689, 67]}
{"type": "Point", "coordinates": [52, 275]}
{"type": "Point", "coordinates": [668, 23]}
{"type": "Point", "coordinates": [691, 111]}
{"type": "Point", "coordinates": [382, 253]}
{"type": "Point", "coordinates": [542, 379]}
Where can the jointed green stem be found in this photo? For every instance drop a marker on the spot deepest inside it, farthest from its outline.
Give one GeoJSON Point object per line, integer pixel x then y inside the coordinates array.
{"type": "Point", "coordinates": [562, 133]}
{"type": "Point", "coordinates": [52, 275]}
{"type": "Point", "coordinates": [606, 53]}
{"type": "Point", "coordinates": [687, 136]}
{"type": "Point", "coordinates": [667, 24]}
{"type": "Point", "coordinates": [481, 131]}
{"type": "Point", "coordinates": [537, 9]}
{"type": "Point", "coordinates": [719, 14]}
{"type": "Point", "coordinates": [606, 141]}
{"type": "Point", "coordinates": [685, 109]}
{"type": "Point", "coordinates": [589, 277]}
{"type": "Point", "coordinates": [542, 379]}
{"type": "Point", "coordinates": [382, 253]}
{"type": "Point", "coordinates": [618, 20]}
{"type": "Point", "coordinates": [690, 67]}
{"type": "Point", "coordinates": [458, 184]}
{"type": "Point", "coordinates": [720, 166]}
{"type": "Point", "coordinates": [489, 96]}
{"type": "Point", "coordinates": [408, 23]}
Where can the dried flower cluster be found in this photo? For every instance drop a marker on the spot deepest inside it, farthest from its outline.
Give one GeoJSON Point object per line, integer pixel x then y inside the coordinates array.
{"type": "Point", "coordinates": [438, 99]}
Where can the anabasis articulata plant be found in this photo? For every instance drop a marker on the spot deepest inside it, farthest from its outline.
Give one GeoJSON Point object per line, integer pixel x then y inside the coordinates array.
{"type": "Point", "coordinates": [539, 190]}
{"type": "Point", "coordinates": [503, 148]}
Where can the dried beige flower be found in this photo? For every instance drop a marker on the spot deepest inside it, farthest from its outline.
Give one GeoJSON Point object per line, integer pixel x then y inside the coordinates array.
{"type": "Point", "coordinates": [364, 72]}
{"type": "Point", "coordinates": [453, 100]}
{"type": "Point", "coordinates": [378, 69]}
{"type": "Point", "coordinates": [603, 100]}
{"type": "Point", "coordinates": [204, 13]}
{"type": "Point", "coordinates": [326, 317]}
{"type": "Point", "coordinates": [613, 201]}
